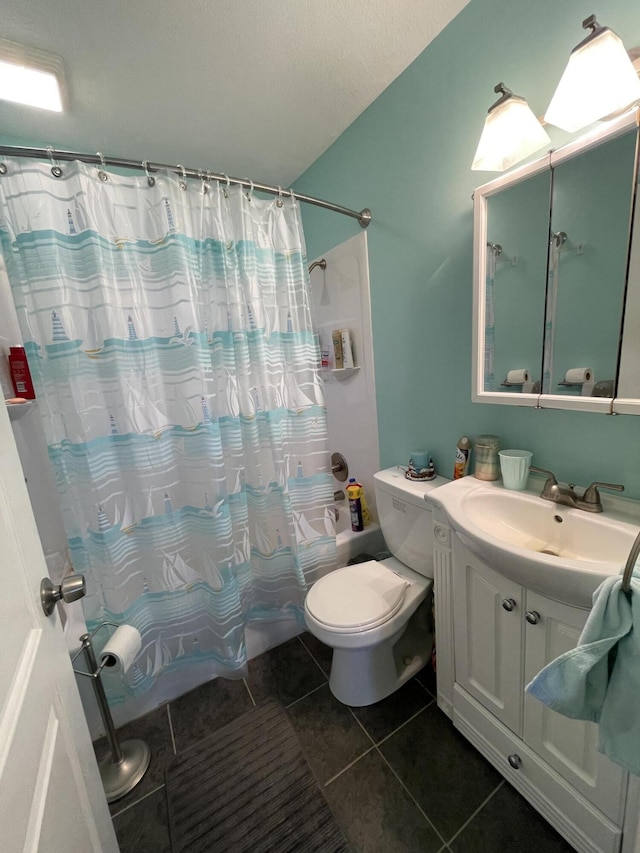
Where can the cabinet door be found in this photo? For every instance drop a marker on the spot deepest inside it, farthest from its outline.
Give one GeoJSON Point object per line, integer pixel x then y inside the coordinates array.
{"type": "Point", "coordinates": [488, 636]}
{"type": "Point", "coordinates": [569, 746]}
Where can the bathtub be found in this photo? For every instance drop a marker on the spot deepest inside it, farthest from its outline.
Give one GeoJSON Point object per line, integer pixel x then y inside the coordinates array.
{"type": "Point", "coordinates": [350, 543]}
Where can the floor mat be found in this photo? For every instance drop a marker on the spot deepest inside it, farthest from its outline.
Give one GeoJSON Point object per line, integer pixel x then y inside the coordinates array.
{"type": "Point", "coordinates": [248, 789]}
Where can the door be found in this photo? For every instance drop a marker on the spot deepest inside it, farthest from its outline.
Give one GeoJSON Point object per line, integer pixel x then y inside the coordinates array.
{"type": "Point", "coordinates": [51, 795]}
{"type": "Point", "coordinates": [569, 746]}
{"type": "Point", "coordinates": [488, 636]}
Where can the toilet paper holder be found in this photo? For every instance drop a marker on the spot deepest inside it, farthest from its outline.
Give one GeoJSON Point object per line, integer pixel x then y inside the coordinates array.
{"type": "Point", "coordinates": [129, 760]}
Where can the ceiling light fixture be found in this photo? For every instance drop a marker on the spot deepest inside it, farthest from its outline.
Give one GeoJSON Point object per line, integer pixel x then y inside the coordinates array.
{"type": "Point", "coordinates": [511, 132]}
{"type": "Point", "coordinates": [31, 76]}
{"type": "Point", "coordinates": [599, 80]}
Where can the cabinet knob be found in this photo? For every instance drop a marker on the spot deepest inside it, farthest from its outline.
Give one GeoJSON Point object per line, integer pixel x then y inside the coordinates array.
{"type": "Point", "coordinates": [509, 604]}
{"type": "Point", "coordinates": [532, 617]}
{"type": "Point", "coordinates": [515, 761]}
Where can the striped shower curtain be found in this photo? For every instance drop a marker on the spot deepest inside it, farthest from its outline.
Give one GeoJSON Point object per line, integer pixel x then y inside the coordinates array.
{"type": "Point", "coordinates": [169, 337]}
{"type": "Point", "coordinates": [551, 301]}
{"type": "Point", "coordinates": [489, 319]}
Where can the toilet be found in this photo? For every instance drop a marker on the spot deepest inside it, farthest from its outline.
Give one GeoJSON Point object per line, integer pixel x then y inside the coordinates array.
{"type": "Point", "coordinates": [376, 616]}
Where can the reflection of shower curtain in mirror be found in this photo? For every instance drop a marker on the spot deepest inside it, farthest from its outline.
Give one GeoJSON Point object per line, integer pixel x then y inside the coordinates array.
{"type": "Point", "coordinates": [489, 320]}
{"type": "Point", "coordinates": [550, 316]}
{"type": "Point", "coordinates": [170, 341]}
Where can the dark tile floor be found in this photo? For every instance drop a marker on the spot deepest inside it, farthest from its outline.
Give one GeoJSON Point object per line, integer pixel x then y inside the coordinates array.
{"type": "Point", "coordinates": [398, 776]}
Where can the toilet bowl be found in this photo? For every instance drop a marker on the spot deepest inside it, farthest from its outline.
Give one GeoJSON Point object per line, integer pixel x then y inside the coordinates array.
{"type": "Point", "coordinates": [376, 616]}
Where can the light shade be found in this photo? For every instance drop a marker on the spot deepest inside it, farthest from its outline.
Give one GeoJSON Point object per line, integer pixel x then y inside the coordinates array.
{"type": "Point", "coordinates": [599, 80]}
{"type": "Point", "coordinates": [511, 133]}
{"type": "Point", "coordinates": [31, 76]}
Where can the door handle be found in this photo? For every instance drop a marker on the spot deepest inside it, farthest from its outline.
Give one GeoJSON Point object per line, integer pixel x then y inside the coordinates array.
{"type": "Point", "coordinates": [71, 589]}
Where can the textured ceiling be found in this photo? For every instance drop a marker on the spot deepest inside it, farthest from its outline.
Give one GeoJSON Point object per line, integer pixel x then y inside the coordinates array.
{"type": "Point", "coordinates": [253, 88]}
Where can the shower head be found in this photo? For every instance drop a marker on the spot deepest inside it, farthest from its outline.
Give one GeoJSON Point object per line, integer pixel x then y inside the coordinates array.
{"type": "Point", "coordinates": [321, 263]}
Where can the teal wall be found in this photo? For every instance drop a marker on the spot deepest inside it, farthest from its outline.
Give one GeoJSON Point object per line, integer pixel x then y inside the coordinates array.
{"type": "Point", "coordinates": [408, 157]}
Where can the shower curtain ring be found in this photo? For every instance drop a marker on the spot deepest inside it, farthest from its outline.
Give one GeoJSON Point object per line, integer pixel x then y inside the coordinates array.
{"type": "Point", "coordinates": [56, 171]}
{"type": "Point", "coordinates": [151, 181]}
{"type": "Point", "coordinates": [203, 178]}
{"type": "Point", "coordinates": [225, 190]}
{"type": "Point", "coordinates": [101, 172]}
{"type": "Point", "coordinates": [183, 182]}
{"type": "Point", "coordinates": [250, 193]}
{"type": "Point", "coordinates": [279, 201]}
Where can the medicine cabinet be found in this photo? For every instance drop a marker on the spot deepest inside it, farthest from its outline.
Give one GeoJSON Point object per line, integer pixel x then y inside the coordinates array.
{"type": "Point", "coordinates": [557, 278]}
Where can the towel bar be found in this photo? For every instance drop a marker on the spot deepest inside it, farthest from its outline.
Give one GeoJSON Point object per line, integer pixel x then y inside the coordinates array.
{"type": "Point", "coordinates": [630, 564]}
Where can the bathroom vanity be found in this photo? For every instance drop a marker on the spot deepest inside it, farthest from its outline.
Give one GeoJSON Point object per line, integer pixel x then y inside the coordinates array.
{"type": "Point", "coordinates": [501, 616]}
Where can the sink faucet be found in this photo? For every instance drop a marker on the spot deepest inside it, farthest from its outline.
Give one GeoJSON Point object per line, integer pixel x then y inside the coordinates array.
{"type": "Point", "coordinates": [566, 496]}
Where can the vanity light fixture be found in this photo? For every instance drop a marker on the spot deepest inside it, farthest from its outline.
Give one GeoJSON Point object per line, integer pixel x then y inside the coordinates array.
{"type": "Point", "coordinates": [31, 76]}
{"type": "Point", "coordinates": [599, 80]}
{"type": "Point", "coordinates": [511, 132]}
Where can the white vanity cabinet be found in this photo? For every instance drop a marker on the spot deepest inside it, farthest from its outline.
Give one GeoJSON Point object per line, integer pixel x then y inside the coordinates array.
{"type": "Point", "coordinates": [502, 635]}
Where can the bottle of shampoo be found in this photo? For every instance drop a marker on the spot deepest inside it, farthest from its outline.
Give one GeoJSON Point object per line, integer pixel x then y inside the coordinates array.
{"type": "Point", "coordinates": [20, 376]}
{"type": "Point", "coordinates": [463, 452]}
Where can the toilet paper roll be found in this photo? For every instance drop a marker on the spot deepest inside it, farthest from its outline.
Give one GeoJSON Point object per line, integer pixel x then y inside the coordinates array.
{"type": "Point", "coordinates": [578, 375]}
{"type": "Point", "coordinates": [120, 651]}
{"type": "Point", "coordinates": [517, 377]}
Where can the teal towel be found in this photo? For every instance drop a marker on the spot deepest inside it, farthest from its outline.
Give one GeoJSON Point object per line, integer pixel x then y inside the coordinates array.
{"type": "Point", "coordinates": [599, 680]}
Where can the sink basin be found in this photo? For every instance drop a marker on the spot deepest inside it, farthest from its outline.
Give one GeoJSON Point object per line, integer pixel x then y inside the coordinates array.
{"type": "Point", "coordinates": [561, 552]}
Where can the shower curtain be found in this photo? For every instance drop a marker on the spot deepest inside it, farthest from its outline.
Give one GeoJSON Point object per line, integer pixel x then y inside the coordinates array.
{"type": "Point", "coordinates": [550, 314]}
{"type": "Point", "coordinates": [489, 319]}
{"type": "Point", "coordinates": [169, 337]}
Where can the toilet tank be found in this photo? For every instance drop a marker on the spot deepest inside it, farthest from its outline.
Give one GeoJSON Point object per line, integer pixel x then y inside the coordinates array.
{"type": "Point", "coordinates": [405, 517]}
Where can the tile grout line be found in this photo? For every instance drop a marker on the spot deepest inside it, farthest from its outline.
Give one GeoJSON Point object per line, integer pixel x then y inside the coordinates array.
{"type": "Point", "coordinates": [353, 714]}
{"type": "Point", "coordinates": [310, 693]}
{"type": "Point", "coordinates": [312, 656]}
{"type": "Point", "coordinates": [413, 799]}
{"type": "Point", "coordinates": [173, 740]}
{"type": "Point", "coordinates": [395, 731]}
{"type": "Point", "coordinates": [424, 687]}
{"type": "Point", "coordinates": [406, 722]}
{"type": "Point", "coordinates": [477, 811]}
{"type": "Point", "coordinates": [131, 805]}
{"type": "Point", "coordinates": [246, 684]}
{"type": "Point", "coordinates": [348, 766]}
{"type": "Point", "coordinates": [373, 744]}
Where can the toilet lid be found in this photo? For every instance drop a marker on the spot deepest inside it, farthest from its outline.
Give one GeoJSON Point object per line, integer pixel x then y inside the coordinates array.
{"type": "Point", "coordinates": [360, 596]}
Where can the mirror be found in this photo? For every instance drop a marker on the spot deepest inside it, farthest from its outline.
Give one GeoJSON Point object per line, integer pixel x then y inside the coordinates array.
{"type": "Point", "coordinates": [517, 236]}
{"type": "Point", "coordinates": [628, 391]}
{"type": "Point", "coordinates": [590, 210]}
{"type": "Point", "coordinates": [551, 246]}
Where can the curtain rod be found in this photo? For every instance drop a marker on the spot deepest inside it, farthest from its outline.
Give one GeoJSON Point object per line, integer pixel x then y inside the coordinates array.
{"type": "Point", "coordinates": [363, 216]}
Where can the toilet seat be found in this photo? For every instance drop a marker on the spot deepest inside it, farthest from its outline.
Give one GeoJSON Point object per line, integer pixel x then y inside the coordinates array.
{"type": "Point", "coordinates": [362, 596]}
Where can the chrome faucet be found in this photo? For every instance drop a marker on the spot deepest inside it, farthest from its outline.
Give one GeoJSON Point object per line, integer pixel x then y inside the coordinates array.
{"type": "Point", "coordinates": [566, 495]}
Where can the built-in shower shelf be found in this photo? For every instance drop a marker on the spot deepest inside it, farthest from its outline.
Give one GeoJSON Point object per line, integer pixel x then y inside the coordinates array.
{"type": "Point", "coordinates": [17, 410]}
{"type": "Point", "coordinates": [345, 372]}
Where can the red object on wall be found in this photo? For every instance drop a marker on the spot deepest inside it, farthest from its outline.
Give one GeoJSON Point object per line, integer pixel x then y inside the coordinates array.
{"type": "Point", "coordinates": [20, 376]}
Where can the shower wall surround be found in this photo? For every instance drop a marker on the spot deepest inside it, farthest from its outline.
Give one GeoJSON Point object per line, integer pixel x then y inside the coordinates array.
{"type": "Point", "coordinates": [340, 298]}
{"type": "Point", "coordinates": [408, 157]}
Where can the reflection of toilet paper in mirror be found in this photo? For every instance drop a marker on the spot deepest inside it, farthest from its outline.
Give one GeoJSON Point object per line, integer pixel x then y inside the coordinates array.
{"type": "Point", "coordinates": [517, 377]}
{"type": "Point", "coordinates": [578, 375]}
{"type": "Point", "coordinates": [121, 649]}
